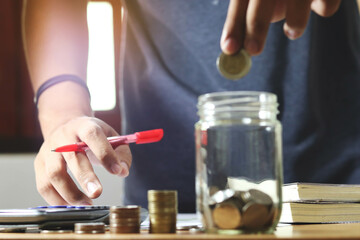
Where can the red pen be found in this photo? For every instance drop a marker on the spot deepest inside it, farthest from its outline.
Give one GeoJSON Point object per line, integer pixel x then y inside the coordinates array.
{"type": "Point", "coordinates": [149, 136]}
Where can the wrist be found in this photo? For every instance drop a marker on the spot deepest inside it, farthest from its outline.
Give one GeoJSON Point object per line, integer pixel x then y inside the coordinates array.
{"type": "Point", "coordinates": [57, 80]}
{"type": "Point", "coordinates": [62, 103]}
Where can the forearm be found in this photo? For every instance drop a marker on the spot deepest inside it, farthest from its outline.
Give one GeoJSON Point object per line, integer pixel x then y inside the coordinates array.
{"type": "Point", "coordinates": [56, 42]}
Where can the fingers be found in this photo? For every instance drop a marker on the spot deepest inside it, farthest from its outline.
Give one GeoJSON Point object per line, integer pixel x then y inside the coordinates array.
{"type": "Point", "coordinates": [94, 136]}
{"type": "Point", "coordinates": [325, 8]}
{"type": "Point", "coordinates": [279, 11]}
{"type": "Point", "coordinates": [248, 21]}
{"type": "Point", "coordinates": [44, 186]}
{"type": "Point", "coordinates": [83, 172]}
{"type": "Point", "coordinates": [258, 17]}
{"type": "Point", "coordinates": [232, 37]}
{"type": "Point", "coordinates": [54, 183]}
{"type": "Point", "coordinates": [297, 15]}
{"type": "Point", "coordinates": [124, 151]}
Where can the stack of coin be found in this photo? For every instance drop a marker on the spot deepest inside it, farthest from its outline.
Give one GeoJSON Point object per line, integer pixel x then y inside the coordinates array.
{"type": "Point", "coordinates": [124, 219]}
{"type": "Point", "coordinates": [249, 210]}
{"type": "Point", "coordinates": [89, 228]}
{"type": "Point", "coordinates": [162, 211]}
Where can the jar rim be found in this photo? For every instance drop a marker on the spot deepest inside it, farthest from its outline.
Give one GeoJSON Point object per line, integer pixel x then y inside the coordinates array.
{"type": "Point", "coordinates": [262, 96]}
{"type": "Point", "coordinates": [237, 101]}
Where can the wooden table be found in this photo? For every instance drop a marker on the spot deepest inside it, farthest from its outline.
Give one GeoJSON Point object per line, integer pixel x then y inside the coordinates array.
{"type": "Point", "coordinates": [313, 231]}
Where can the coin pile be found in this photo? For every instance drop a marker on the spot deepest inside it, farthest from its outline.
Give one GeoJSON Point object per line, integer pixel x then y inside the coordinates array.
{"type": "Point", "coordinates": [162, 206]}
{"type": "Point", "coordinates": [249, 210]}
{"type": "Point", "coordinates": [124, 219]}
{"type": "Point", "coordinates": [89, 228]}
{"type": "Point", "coordinates": [234, 66]}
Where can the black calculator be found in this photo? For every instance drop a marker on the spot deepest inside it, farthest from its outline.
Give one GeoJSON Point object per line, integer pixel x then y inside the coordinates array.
{"type": "Point", "coordinates": [55, 217]}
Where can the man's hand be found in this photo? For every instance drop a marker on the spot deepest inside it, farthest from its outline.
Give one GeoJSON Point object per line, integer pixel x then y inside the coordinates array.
{"type": "Point", "coordinates": [248, 21]}
{"type": "Point", "coordinates": [52, 178]}
{"type": "Point", "coordinates": [55, 39]}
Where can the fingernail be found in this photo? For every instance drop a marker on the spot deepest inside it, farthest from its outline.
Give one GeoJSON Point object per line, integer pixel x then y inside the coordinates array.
{"type": "Point", "coordinates": [251, 46]}
{"type": "Point", "coordinates": [292, 34]}
{"type": "Point", "coordinates": [230, 46]}
{"type": "Point", "coordinates": [115, 168]}
{"type": "Point", "coordinates": [92, 188]}
{"type": "Point", "coordinates": [124, 170]}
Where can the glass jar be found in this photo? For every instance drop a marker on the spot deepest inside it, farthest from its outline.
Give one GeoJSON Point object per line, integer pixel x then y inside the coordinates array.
{"type": "Point", "coordinates": [238, 162]}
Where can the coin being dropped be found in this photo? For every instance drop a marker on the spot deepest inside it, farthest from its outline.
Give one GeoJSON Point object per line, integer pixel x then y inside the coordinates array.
{"type": "Point", "coordinates": [234, 66]}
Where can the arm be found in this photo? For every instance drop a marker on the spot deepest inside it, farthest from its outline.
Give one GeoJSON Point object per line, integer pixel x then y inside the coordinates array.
{"type": "Point", "coordinates": [56, 42]}
{"type": "Point", "coordinates": [248, 21]}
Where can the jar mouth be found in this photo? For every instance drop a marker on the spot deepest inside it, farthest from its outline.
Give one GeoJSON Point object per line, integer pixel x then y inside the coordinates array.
{"type": "Point", "coordinates": [238, 102]}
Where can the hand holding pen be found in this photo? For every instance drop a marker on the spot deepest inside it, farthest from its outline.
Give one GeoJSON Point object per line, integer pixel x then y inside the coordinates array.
{"type": "Point", "coordinates": [53, 169]}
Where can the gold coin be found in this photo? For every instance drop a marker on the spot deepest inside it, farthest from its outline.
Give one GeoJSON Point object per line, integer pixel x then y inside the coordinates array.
{"type": "Point", "coordinates": [163, 228]}
{"type": "Point", "coordinates": [234, 66]}
{"type": "Point", "coordinates": [91, 227]}
{"type": "Point", "coordinates": [227, 215]}
{"type": "Point", "coordinates": [162, 195]}
{"type": "Point", "coordinates": [255, 216]}
{"type": "Point", "coordinates": [130, 209]}
{"type": "Point", "coordinates": [162, 205]}
{"type": "Point", "coordinates": [125, 219]}
{"type": "Point", "coordinates": [125, 229]}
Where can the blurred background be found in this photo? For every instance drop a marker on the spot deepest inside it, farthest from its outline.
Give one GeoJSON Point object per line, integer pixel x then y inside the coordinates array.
{"type": "Point", "coordinates": [20, 136]}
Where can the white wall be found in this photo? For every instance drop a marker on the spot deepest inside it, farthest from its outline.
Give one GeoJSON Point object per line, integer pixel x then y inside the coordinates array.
{"type": "Point", "coordinates": [18, 190]}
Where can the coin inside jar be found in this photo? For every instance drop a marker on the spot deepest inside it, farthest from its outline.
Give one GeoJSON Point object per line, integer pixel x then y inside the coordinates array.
{"type": "Point", "coordinates": [234, 66]}
{"type": "Point", "coordinates": [255, 215]}
{"type": "Point", "coordinates": [227, 215]}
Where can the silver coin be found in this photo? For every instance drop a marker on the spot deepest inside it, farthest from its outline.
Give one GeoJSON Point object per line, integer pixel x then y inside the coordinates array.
{"type": "Point", "coordinates": [234, 66]}
{"type": "Point", "coordinates": [221, 196]}
{"type": "Point", "coordinates": [260, 197]}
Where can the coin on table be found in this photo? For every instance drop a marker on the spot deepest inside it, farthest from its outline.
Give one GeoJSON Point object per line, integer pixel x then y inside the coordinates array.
{"type": "Point", "coordinates": [91, 227]}
{"type": "Point", "coordinates": [162, 205]}
{"type": "Point", "coordinates": [234, 66]}
{"type": "Point", "coordinates": [124, 219]}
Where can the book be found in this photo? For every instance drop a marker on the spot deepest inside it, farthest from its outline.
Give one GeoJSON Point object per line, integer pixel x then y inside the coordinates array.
{"type": "Point", "coordinates": [324, 212]}
{"type": "Point", "coordinates": [320, 192]}
{"type": "Point", "coordinates": [320, 203]}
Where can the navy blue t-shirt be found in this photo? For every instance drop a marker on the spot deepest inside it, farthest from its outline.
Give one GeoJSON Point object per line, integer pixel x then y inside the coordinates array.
{"type": "Point", "coordinates": [170, 55]}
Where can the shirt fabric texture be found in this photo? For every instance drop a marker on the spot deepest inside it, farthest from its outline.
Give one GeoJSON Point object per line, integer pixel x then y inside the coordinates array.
{"type": "Point", "coordinates": [170, 51]}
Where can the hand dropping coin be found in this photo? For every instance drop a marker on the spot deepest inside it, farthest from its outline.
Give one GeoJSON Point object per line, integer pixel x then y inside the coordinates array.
{"type": "Point", "coordinates": [234, 66]}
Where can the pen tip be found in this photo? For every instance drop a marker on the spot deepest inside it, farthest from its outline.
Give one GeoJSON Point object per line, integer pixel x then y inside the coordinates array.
{"type": "Point", "coordinates": [53, 150]}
